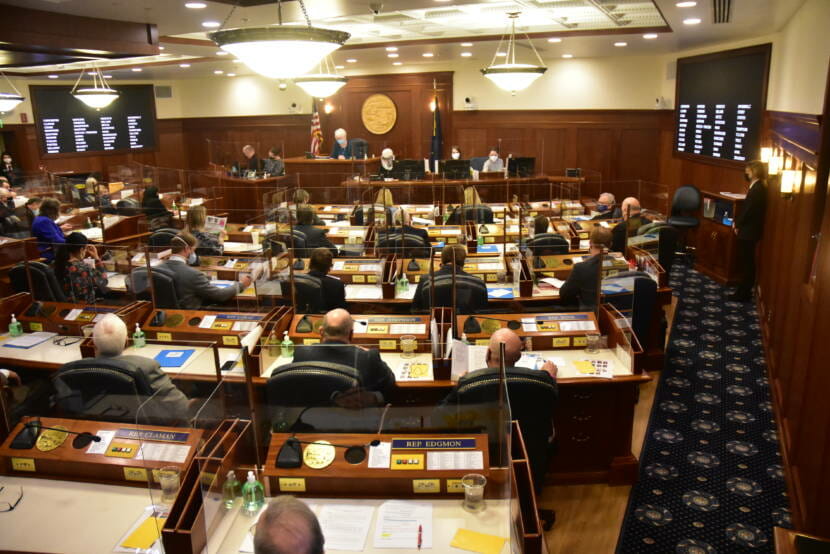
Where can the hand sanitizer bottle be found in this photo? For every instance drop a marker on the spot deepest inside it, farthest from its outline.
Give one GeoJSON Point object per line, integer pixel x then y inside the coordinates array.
{"type": "Point", "coordinates": [287, 346]}
{"type": "Point", "coordinates": [15, 328]}
{"type": "Point", "coordinates": [139, 340]}
{"type": "Point", "coordinates": [230, 490]}
{"type": "Point", "coordinates": [253, 495]}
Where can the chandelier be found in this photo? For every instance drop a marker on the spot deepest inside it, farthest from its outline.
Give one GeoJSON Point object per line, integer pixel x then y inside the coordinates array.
{"type": "Point", "coordinates": [100, 95]}
{"type": "Point", "coordinates": [281, 51]}
{"type": "Point", "coordinates": [512, 76]}
{"type": "Point", "coordinates": [10, 100]}
{"type": "Point", "coordinates": [323, 83]}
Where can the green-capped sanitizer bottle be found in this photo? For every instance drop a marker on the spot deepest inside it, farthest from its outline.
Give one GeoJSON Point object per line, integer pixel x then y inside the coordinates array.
{"type": "Point", "coordinates": [287, 346]}
{"type": "Point", "coordinates": [230, 490]}
{"type": "Point", "coordinates": [253, 495]}
{"type": "Point", "coordinates": [139, 340]}
{"type": "Point", "coordinates": [15, 328]}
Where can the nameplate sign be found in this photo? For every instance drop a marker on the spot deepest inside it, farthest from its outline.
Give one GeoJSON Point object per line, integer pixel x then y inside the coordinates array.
{"type": "Point", "coordinates": [432, 444]}
{"type": "Point", "coordinates": [148, 435]}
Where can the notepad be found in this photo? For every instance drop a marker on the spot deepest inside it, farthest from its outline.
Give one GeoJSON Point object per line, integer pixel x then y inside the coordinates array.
{"type": "Point", "coordinates": [29, 340]}
{"type": "Point", "coordinates": [173, 358]}
{"type": "Point", "coordinates": [477, 542]}
{"type": "Point", "coordinates": [145, 534]}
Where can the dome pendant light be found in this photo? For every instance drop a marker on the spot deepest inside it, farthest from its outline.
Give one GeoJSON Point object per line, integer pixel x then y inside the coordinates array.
{"type": "Point", "coordinates": [512, 76]}
{"type": "Point", "coordinates": [282, 51]}
{"type": "Point", "coordinates": [100, 95]}
{"type": "Point", "coordinates": [324, 83]}
{"type": "Point", "coordinates": [10, 100]}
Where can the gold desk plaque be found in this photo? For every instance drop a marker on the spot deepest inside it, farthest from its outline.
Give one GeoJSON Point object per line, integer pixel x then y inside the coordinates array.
{"type": "Point", "coordinates": [318, 454]}
{"type": "Point", "coordinates": [50, 439]}
{"type": "Point", "coordinates": [379, 114]}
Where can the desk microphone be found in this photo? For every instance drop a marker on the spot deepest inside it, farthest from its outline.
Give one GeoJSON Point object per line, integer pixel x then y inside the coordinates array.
{"type": "Point", "coordinates": [27, 437]}
{"type": "Point", "coordinates": [289, 454]}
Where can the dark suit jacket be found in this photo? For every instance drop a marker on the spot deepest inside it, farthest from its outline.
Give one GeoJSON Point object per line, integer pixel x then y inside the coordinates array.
{"type": "Point", "coordinates": [614, 213]}
{"type": "Point", "coordinates": [478, 298]}
{"type": "Point", "coordinates": [316, 238]}
{"type": "Point", "coordinates": [581, 287]}
{"type": "Point", "coordinates": [193, 286]}
{"type": "Point", "coordinates": [375, 375]}
{"type": "Point", "coordinates": [409, 230]}
{"type": "Point", "coordinates": [345, 151]}
{"type": "Point", "coordinates": [252, 163]}
{"type": "Point", "coordinates": [750, 222]}
{"type": "Point", "coordinates": [168, 401]}
{"type": "Point", "coordinates": [618, 233]}
{"type": "Point", "coordinates": [26, 217]}
{"type": "Point", "coordinates": [334, 291]}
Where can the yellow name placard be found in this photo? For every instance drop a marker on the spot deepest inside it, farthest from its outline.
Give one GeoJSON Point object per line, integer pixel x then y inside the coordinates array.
{"type": "Point", "coordinates": [547, 326]}
{"type": "Point", "coordinates": [455, 486]}
{"type": "Point", "coordinates": [135, 474]}
{"type": "Point", "coordinates": [452, 240]}
{"type": "Point", "coordinates": [388, 344]}
{"type": "Point", "coordinates": [358, 278]}
{"type": "Point", "coordinates": [35, 326]}
{"type": "Point", "coordinates": [377, 329]}
{"type": "Point", "coordinates": [580, 341]}
{"type": "Point", "coordinates": [292, 484]}
{"type": "Point", "coordinates": [164, 336]}
{"type": "Point", "coordinates": [491, 277]}
{"type": "Point", "coordinates": [561, 342]}
{"type": "Point", "coordinates": [371, 278]}
{"type": "Point", "coordinates": [309, 342]}
{"type": "Point", "coordinates": [482, 342]}
{"type": "Point", "coordinates": [407, 461]}
{"type": "Point", "coordinates": [426, 486]}
{"type": "Point", "coordinates": [23, 464]}
{"type": "Point", "coordinates": [231, 340]}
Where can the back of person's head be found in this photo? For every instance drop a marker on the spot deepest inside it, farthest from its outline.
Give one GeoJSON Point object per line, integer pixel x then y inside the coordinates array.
{"type": "Point", "coordinates": [305, 215]}
{"type": "Point", "coordinates": [540, 224]}
{"type": "Point", "coordinates": [196, 217]}
{"type": "Point", "coordinates": [321, 260]}
{"type": "Point", "coordinates": [103, 188]}
{"type": "Point", "coordinates": [601, 237]}
{"type": "Point", "coordinates": [288, 526]}
{"type": "Point", "coordinates": [630, 206]}
{"type": "Point", "coordinates": [337, 324]}
{"type": "Point", "coordinates": [401, 217]}
{"type": "Point", "coordinates": [75, 244]}
{"type": "Point", "coordinates": [34, 201]}
{"type": "Point", "coordinates": [275, 151]}
{"type": "Point", "coordinates": [512, 348]}
{"type": "Point", "coordinates": [384, 197]}
{"type": "Point", "coordinates": [757, 170]}
{"type": "Point", "coordinates": [91, 183]}
{"type": "Point", "coordinates": [248, 149]}
{"type": "Point", "coordinates": [50, 208]}
{"type": "Point", "coordinates": [454, 252]}
{"type": "Point", "coordinates": [109, 336]}
{"type": "Point", "coordinates": [301, 196]}
{"type": "Point", "coordinates": [150, 193]}
{"type": "Point", "coordinates": [471, 196]}
{"type": "Point", "coordinates": [182, 241]}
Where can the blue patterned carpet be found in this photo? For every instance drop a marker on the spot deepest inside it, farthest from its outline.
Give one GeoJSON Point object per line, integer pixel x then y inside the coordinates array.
{"type": "Point", "coordinates": [710, 473]}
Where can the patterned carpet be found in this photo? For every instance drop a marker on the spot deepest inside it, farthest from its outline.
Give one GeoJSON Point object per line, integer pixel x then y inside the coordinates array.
{"type": "Point", "coordinates": [710, 473]}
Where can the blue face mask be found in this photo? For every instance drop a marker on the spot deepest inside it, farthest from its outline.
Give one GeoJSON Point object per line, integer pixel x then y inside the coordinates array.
{"type": "Point", "coordinates": [602, 207]}
{"type": "Point", "coordinates": [341, 142]}
{"type": "Point", "coordinates": [191, 260]}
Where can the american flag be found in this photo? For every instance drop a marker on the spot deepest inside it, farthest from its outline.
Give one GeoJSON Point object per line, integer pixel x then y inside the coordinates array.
{"type": "Point", "coordinates": [316, 131]}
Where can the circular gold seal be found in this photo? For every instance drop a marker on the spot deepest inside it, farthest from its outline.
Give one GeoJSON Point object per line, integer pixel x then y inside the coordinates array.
{"type": "Point", "coordinates": [50, 439]}
{"type": "Point", "coordinates": [379, 114]}
{"type": "Point", "coordinates": [318, 454]}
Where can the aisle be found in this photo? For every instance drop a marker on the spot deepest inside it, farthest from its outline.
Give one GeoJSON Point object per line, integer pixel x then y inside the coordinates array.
{"type": "Point", "coordinates": [710, 473]}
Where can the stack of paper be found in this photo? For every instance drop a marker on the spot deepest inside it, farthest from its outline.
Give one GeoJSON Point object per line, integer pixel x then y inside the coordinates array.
{"type": "Point", "coordinates": [399, 523]}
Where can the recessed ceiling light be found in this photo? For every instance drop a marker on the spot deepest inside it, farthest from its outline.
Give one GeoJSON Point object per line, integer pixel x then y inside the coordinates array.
{"type": "Point", "coordinates": [351, 60]}
{"type": "Point", "coordinates": [427, 54]}
{"type": "Point", "coordinates": [136, 69]}
{"type": "Point", "coordinates": [466, 54]}
{"type": "Point", "coordinates": [650, 36]}
{"type": "Point", "coordinates": [195, 5]}
{"type": "Point", "coordinates": [231, 74]}
{"type": "Point", "coordinates": [691, 21]}
{"type": "Point", "coordinates": [54, 76]}
{"type": "Point", "coordinates": [210, 24]}
{"type": "Point", "coordinates": [620, 44]}
{"type": "Point", "coordinates": [184, 65]}
{"type": "Point", "coordinates": [218, 72]}
{"type": "Point", "coordinates": [392, 55]}
{"type": "Point", "coordinates": [391, 48]}
{"type": "Point", "coordinates": [466, 44]}
{"type": "Point", "coordinates": [107, 76]}
{"type": "Point", "coordinates": [397, 63]}
{"type": "Point", "coordinates": [686, 4]}
{"type": "Point", "coordinates": [339, 66]}
{"type": "Point", "coordinates": [567, 56]}
{"type": "Point", "coordinates": [221, 53]}
{"type": "Point", "coordinates": [554, 39]}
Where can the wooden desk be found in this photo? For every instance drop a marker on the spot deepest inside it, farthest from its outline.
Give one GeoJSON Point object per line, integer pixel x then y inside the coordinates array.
{"type": "Point", "coordinates": [325, 172]}
{"type": "Point", "coordinates": [561, 265]}
{"type": "Point", "coordinates": [715, 241]}
{"type": "Point", "coordinates": [785, 540]}
{"type": "Point", "coordinates": [244, 199]}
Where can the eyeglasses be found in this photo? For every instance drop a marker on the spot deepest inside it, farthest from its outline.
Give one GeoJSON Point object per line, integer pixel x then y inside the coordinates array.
{"type": "Point", "coordinates": [6, 506]}
{"type": "Point", "coordinates": [66, 341]}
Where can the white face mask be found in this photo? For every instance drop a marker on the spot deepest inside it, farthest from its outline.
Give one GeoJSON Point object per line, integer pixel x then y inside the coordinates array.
{"type": "Point", "coordinates": [456, 155]}
{"type": "Point", "coordinates": [341, 142]}
{"type": "Point", "coordinates": [494, 159]}
{"type": "Point", "coordinates": [191, 259]}
{"type": "Point", "coordinates": [7, 160]}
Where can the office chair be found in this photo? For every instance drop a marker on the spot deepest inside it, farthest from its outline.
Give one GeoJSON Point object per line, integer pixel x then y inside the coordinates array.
{"type": "Point", "coordinates": [686, 199]}
{"type": "Point", "coordinates": [548, 244]}
{"type": "Point", "coordinates": [667, 237]}
{"type": "Point", "coordinates": [103, 389]}
{"type": "Point", "coordinates": [395, 243]}
{"type": "Point", "coordinates": [308, 294]}
{"type": "Point", "coordinates": [163, 283]}
{"type": "Point", "coordinates": [642, 308]}
{"type": "Point", "coordinates": [477, 213]}
{"type": "Point", "coordinates": [297, 241]}
{"type": "Point", "coordinates": [45, 284]}
{"type": "Point", "coordinates": [470, 293]}
{"type": "Point", "coordinates": [162, 237]}
{"type": "Point", "coordinates": [128, 207]}
{"type": "Point", "coordinates": [359, 147]}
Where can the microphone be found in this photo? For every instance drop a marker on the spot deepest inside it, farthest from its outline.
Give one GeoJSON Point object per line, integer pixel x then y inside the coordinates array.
{"type": "Point", "coordinates": [32, 430]}
{"type": "Point", "coordinates": [289, 454]}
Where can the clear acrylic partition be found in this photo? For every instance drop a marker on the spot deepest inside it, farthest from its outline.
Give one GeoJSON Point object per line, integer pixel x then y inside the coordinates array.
{"type": "Point", "coordinates": [313, 392]}
{"type": "Point", "coordinates": [227, 153]}
{"type": "Point", "coordinates": [653, 197]}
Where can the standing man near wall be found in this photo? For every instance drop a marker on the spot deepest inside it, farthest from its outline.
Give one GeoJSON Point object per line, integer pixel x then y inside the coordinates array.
{"type": "Point", "coordinates": [749, 226]}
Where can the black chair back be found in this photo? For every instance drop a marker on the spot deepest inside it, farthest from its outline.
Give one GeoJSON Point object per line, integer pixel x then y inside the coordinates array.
{"type": "Point", "coordinates": [395, 243]}
{"type": "Point", "coordinates": [548, 244]}
{"type": "Point", "coordinates": [359, 147]}
{"type": "Point", "coordinates": [467, 289]}
{"type": "Point", "coordinates": [309, 383]}
{"type": "Point", "coordinates": [478, 213]}
{"type": "Point", "coordinates": [298, 241]}
{"type": "Point", "coordinates": [128, 207]}
{"type": "Point", "coordinates": [162, 237]}
{"type": "Point", "coordinates": [686, 199]}
{"type": "Point", "coordinates": [642, 308]}
{"type": "Point", "coordinates": [163, 283]}
{"type": "Point", "coordinates": [308, 294]}
{"type": "Point", "coordinates": [44, 282]}
{"type": "Point", "coordinates": [477, 163]}
{"type": "Point", "coordinates": [667, 238]}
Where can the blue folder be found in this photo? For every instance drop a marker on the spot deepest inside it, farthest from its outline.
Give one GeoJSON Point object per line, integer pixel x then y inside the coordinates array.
{"type": "Point", "coordinates": [173, 358]}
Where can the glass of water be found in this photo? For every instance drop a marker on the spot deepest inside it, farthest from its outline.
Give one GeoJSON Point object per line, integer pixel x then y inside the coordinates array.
{"type": "Point", "coordinates": [169, 477]}
{"type": "Point", "coordinates": [408, 346]}
{"type": "Point", "coordinates": [473, 484]}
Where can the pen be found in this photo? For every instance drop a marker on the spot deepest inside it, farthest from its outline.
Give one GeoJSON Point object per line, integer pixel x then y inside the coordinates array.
{"type": "Point", "coordinates": [420, 535]}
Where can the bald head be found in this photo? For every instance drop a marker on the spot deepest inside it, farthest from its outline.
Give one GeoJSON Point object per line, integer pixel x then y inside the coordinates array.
{"type": "Point", "coordinates": [630, 206]}
{"type": "Point", "coordinates": [512, 348]}
{"type": "Point", "coordinates": [288, 526]}
{"type": "Point", "coordinates": [337, 325]}
{"type": "Point", "coordinates": [109, 336]}
{"type": "Point", "coordinates": [248, 150]}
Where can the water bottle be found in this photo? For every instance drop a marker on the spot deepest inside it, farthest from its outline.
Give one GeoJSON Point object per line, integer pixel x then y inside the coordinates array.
{"type": "Point", "coordinates": [253, 495]}
{"type": "Point", "coordinates": [15, 328]}
{"type": "Point", "coordinates": [230, 490]}
{"type": "Point", "coordinates": [287, 346]}
{"type": "Point", "coordinates": [139, 340]}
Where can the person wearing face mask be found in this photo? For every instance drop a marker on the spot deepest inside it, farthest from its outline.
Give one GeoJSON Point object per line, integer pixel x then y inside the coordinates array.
{"type": "Point", "coordinates": [9, 170]}
{"type": "Point", "coordinates": [193, 286]}
{"type": "Point", "coordinates": [81, 282]}
{"type": "Point", "coordinates": [493, 163]}
{"type": "Point", "coordinates": [749, 226]}
{"type": "Point", "coordinates": [455, 153]}
{"type": "Point", "coordinates": [342, 150]}
{"type": "Point", "coordinates": [607, 207]}
{"type": "Point", "coordinates": [387, 163]}
{"type": "Point", "coordinates": [27, 213]}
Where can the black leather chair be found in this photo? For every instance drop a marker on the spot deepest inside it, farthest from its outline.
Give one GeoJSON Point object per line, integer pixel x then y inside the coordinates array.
{"type": "Point", "coordinates": [685, 202]}
{"type": "Point", "coordinates": [128, 207]}
{"type": "Point", "coordinates": [163, 284]}
{"type": "Point", "coordinates": [466, 288]}
{"type": "Point", "coordinates": [478, 213]}
{"type": "Point", "coordinates": [667, 237]}
{"type": "Point", "coordinates": [297, 241]}
{"type": "Point", "coordinates": [642, 308]}
{"type": "Point", "coordinates": [359, 147]}
{"type": "Point", "coordinates": [477, 163]}
{"type": "Point", "coordinates": [162, 237]}
{"type": "Point", "coordinates": [548, 244]}
{"type": "Point", "coordinates": [412, 245]}
{"type": "Point", "coordinates": [45, 284]}
{"type": "Point", "coordinates": [308, 294]}
{"type": "Point", "coordinates": [111, 389]}
{"type": "Point", "coordinates": [309, 383]}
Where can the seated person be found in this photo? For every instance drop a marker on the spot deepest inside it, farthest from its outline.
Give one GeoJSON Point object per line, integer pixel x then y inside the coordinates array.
{"type": "Point", "coordinates": [80, 281]}
{"type": "Point", "coordinates": [493, 162]}
{"type": "Point", "coordinates": [341, 150]}
{"type": "Point", "coordinates": [468, 303]}
{"type": "Point", "coordinates": [282, 211]}
{"type": "Point", "coordinates": [403, 222]}
{"type": "Point", "coordinates": [9, 195]}
{"type": "Point", "coordinates": [8, 222]}
{"type": "Point", "coordinates": [88, 193]}
{"type": "Point", "coordinates": [273, 164]}
{"type": "Point", "coordinates": [471, 210]}
{"type": "Point", "coordinates": [455, 153]}
{"type": "Point", "coordinates": [251, 162]}
{"type": "Point", "coordinates": [104, 199]}
{"type": "Point", "coordinates": [580, 289]}
{"type": "Point", "coordinates": [607, 207]}
{"type": "Point", "coordinates": [387, 163]}
{"type": "Point", "coordinates": [46, 230]}
{"type": "Point", "coordinates": [209, 244]}
{"type": "Point", "coordinates": [28, 212]}
{"type": "Point", "coordinates": [288, 526]}
{"type": "Point", "coordinates": [193, 286]}
{"type": "Point", "coordinates": [632, 221]}
{"type": "Point", "coordinates": [336, 335]}
{"type": "Point", "coordinates": [543, 243]}
{"type": "Point", "coordinates": [110, 338]}
{"type": "Point", "coordinates": [314, 236]}
{"type": "Point", "coordinates": [333, 290]}
{"type": "Point", "coordinates": [153, 208]}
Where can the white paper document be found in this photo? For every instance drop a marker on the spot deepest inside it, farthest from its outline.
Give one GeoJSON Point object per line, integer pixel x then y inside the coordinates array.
{"type": "Point", "coordinates": [29, 340]}
{"type": "Point", "coordinates": [380, 456]}
{"type": "Point", "coordinates": [529, 360]}
{"type": "Point", "coordinates": [467, 357]}
{"type": "Point", "coordinates": [207, 322]}
{"type": "Point", "coordinates": [576, 326]}
{"type": "Point", "coordinates": [363, 292]}
{"type": "Point", "coordinates": [73, 314]}
{"type": "Point", "coordinates": [553, 281]}
{"type": "Point", "coordinates": [345, 526]}
{"type": "Point", "coordinates": [407, 329]}
{"type": "Point", "coordinates": [529, 325]}
{"type": "Point", "coordinates": [407, 294]}
{"type": "Point", "coordinates": [243, 325]}
{"type": "Point", "coordinates": [455, 459]}
{"type": "Point", "coordinates": [101, 446]}
{"type": "Point", "coordinates": [338, 266]}
{"type": "Point", "coordinates": [398, 524]}
{"type": "Point", "coordinates": [163, 452]}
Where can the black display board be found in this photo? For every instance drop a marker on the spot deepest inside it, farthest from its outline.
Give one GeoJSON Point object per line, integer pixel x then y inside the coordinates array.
{"type": "Point", "coordinates": [65, 125]}
{"type": "Point", "coordinates": [720, 103]}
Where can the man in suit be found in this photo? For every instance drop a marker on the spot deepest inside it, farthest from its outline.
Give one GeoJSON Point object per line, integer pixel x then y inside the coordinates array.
{"type": "Point", "coordinates": [314, 236]}
{"type": "Point", "coordinates": [333, 290]}
{"type": "Point", "coordinates": [341, 150]}
{"type": "Point", "coordinates": [252, 160]}
{"type": "Point", "coordinates": [28, 212]}
{"type": "Point", "coordinates": [193, 286]}
{"type": "Point", "coordinates": [749, 226]}
{"type": "Point", "coordinates": [580, 290]}
{"type": "Point", "coordinates": [633, 219]}
{"type": "Point", "coordinates": [335, 347]}
{"type": "Point", "coordinates": [607, 207]}
{"type": "Point", "coordinates": [471, 292]}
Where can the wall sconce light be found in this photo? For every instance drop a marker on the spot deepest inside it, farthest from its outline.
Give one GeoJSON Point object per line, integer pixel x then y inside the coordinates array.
{"type": "Point", "coordinates": [775, 163]}
{"type": "Point", "coordinates": [789, 178]}
{"type": "Point", "coordinates": [766, 154]}
{"type": "Point", "coordinates": [328, 108]}
{"type": "Point", "coordinates": [432, 106]}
